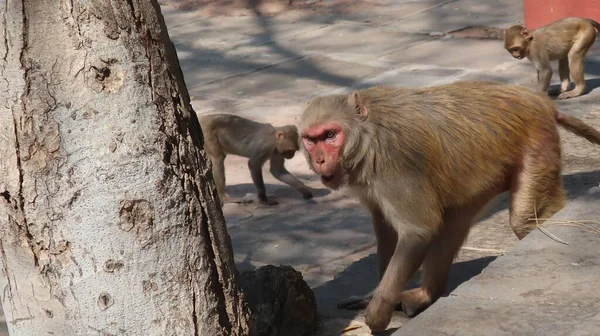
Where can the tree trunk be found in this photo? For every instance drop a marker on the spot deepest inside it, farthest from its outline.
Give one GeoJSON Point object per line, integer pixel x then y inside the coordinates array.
{"type": "Point", "coordinates": [109, 218]}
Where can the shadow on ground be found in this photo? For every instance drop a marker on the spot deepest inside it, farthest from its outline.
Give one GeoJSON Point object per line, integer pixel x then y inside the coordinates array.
{"type": "Point", "coordinates": [592, 67]}
{"type": "Point", "coordinates": [211, 61]}
{"type": "Point", "coordinates": [275, 190]}
{"type": "Point", "coordinates": [361, 277]}
{"type": "Point", "coordinates": [247, 7]}
{"type": "Point", "coordinates": [328, 230]}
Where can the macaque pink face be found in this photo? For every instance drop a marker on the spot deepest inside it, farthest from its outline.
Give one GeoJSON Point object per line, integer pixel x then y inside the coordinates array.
{"type": "Point", "coordinates": [323, 143]}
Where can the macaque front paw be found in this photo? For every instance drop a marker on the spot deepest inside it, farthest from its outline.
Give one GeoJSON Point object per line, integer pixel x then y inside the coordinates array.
{"type": "Point", "coordinates": [379, 314]}
{"type": "Point", "coordinates": [307, 194]}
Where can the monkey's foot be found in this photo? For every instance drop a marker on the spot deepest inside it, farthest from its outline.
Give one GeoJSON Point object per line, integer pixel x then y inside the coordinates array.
{"type": "Point", "coordinates": [379, 314]}
{"type": "Point", "coordinates": [415, 301]}
{"type": "Point", "coordinates": [570, 94]}
{"type": "Point", "coordinates": [355, 302]}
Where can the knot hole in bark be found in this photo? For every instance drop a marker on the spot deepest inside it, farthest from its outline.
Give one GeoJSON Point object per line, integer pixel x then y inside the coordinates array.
{"type": "Point", "coordinates": [6, 195]}
{"type": "Point", "coordinates": [105, 75]}
{"type": "Point", "coordinates": [102, 73]}
{"type": "Point", "coordinates": [148, 285]}
{"type": "Point", "coordinates": [137, 216]}
{"type": "Point", "coordinates": [136, 213]}
{"type": "Point", "coordinates": [105, 301]}
{"type": "Point", "coordinates": [111, 265]}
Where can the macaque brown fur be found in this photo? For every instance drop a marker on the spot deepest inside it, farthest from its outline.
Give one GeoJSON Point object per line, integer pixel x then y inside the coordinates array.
{"type": "Point", "coordinates": [566, 41]}
{"type": "Point", "coordinates": [425, 162]}
{"type": "Point", "coordinates": [229, 134]}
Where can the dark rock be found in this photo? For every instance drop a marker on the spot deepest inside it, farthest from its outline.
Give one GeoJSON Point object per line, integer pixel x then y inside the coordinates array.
{"type": "Point", "coordinates": [280, 302]}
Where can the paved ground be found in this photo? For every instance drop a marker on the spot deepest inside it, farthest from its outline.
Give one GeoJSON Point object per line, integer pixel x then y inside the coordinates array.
{"type": "Point", "coordinates": [268, 67]}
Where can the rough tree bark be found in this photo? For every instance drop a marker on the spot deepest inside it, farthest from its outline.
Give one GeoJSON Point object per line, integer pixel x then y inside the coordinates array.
{"type": "Point", "coordinates": [108, 216]}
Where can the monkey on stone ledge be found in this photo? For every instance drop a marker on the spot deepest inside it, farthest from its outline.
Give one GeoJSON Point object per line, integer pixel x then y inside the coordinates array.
{"type": "Point", "coordinates": [426, 162]}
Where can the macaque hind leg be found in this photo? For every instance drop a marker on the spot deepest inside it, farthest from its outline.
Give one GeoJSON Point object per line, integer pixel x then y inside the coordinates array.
{"type": "Point", "coordinates": [218, 170]}
{"type": "Point", "coordinates": [219, 176]}
{"type": "Point", "coordinates": [576, 66]}
{"type": "Point", "coordinates": [537, 191]}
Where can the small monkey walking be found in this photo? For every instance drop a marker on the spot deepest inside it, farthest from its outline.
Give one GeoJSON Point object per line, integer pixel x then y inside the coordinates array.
{"type": "Point", "coordinates": [425, 162]}
{"type": "Point", "coordinates": [566, 41]}
{"type": "Point", "coordinates": [229, 134]}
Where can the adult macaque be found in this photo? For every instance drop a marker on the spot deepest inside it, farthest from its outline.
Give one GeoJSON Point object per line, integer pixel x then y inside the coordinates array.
{"type": "Point", "coordinates": [566, 41]}
{"type": "Point", "coordinates": [425, 162]}
{"type": "Point", "coordinates": [229, 134]}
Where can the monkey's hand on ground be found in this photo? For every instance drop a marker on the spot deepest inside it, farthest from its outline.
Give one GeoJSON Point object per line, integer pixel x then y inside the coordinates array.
{"type": "Point", "coordinates": [379, 314]}
{"type": "Point", "coordinates": [306, 194]}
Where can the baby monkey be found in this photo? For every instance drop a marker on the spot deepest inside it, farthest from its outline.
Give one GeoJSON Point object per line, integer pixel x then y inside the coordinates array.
{"type": "Point", "coordinates": [229, 134]}
{"type": "Point", "coordinates": [566, 41]}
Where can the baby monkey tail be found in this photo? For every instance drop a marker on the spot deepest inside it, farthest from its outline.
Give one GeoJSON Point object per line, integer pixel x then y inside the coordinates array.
{"type": "Point", "coordinates": [578, 127]}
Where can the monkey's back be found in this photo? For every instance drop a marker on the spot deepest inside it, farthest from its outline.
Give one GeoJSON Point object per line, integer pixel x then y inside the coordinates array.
{"type": "Point", "coordinates": [559, 36]}
{"type": "Point", "coordinates": [468, 134]}
{"type": "Point", "coordinates": [235, 135]}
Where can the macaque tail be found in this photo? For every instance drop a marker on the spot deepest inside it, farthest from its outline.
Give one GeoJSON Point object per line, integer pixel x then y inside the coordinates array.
{"type": "Point", "coordinates": [595, 24]}
{"type": "Point", "coordinates": [578, 127]}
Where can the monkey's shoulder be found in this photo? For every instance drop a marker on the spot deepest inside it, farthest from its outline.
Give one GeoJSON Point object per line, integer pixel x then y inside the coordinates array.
{"type": "Point", "coordinates": [231, 121]}
{"type": "Point", "coordinates": [562, 26]}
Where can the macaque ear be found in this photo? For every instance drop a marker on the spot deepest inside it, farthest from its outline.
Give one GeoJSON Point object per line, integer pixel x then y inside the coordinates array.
{"type": "Point", "coordinates": [356, 103]}
{"type": "Point", "coordinates": [526, 34]}
{"type": "Point", "coordinates": [279, 135]}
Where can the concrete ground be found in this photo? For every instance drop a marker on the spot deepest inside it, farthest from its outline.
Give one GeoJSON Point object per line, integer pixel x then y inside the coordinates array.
{"type": "Point", "coordinates": [268, 67]}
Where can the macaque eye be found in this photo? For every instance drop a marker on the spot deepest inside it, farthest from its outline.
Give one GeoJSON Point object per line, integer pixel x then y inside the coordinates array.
{"type": "Point", "coordinates": [330, 134]}
{"type": "Point", "coordinates": [310, 139]}
{"type": "Point", "coordinates": [515, 49]}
